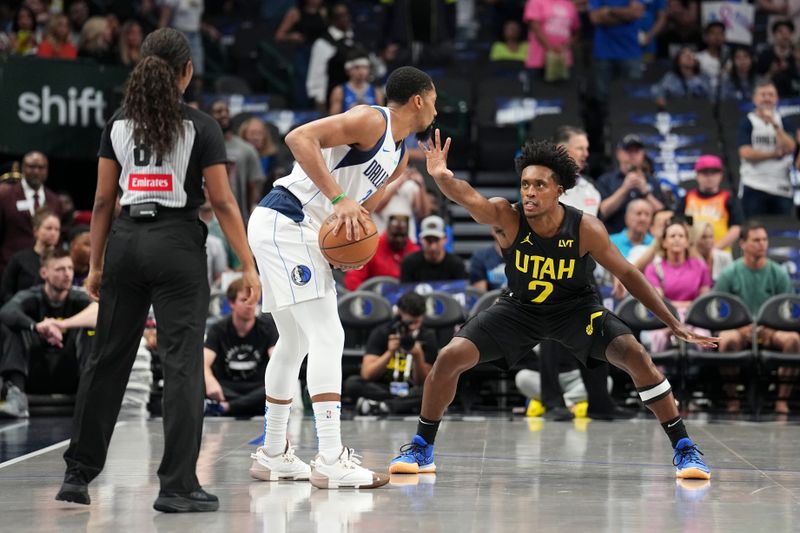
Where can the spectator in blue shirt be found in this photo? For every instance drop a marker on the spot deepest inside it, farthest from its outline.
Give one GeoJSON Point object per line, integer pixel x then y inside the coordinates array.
{"type": "Point", "coordinates": [487, 268]}
{"type": "Point", "coordinates": [651, 25]}
{"type": "Point", "coordinates": [616, 47]}
{"type": "Point", "coordinates": [638, 216]}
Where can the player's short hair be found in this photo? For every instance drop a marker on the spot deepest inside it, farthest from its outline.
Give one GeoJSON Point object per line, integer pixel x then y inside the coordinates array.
{"type": "Point", "coordinates": [411, 303]}
{"type": "Point", "coordinates": [53, 253]}
{"type": "Point", "coordinates": [553, 156]}
{"type": "Point", "coordinates": [405, 82]}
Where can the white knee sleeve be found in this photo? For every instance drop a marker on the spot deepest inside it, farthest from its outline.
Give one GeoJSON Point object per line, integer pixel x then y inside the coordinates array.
{"type": "Point", "coordinates": [319, 321]}
{"type": "Point", "coordinates": [283, 368]}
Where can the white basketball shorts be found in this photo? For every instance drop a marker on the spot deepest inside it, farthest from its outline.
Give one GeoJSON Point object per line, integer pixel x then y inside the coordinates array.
{"type": "Point", "coordinates": [290, 263]}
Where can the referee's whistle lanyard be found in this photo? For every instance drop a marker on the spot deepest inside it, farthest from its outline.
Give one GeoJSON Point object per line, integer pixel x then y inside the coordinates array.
{"type": "Point", "coordinates": [398, 357]}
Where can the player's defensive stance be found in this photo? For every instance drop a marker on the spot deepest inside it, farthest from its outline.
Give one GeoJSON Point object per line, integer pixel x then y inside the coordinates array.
{"type": "Point", "coordinates": [548, 249]}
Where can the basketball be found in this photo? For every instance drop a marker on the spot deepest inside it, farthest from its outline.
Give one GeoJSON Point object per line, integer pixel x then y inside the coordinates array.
{"type": "Point", "coordinates": [343, 253]}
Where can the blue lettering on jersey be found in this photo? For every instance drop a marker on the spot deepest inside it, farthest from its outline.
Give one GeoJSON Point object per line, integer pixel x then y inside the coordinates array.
{"type": "Point", "coordinates": [364, 199]}
{"type": "Point", "coordinates": [376, 174]}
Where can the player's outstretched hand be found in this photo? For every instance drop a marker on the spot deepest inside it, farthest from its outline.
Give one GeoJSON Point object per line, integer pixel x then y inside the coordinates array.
{"type": "Point", "coordinates": [685, 334]}
{"type": "Point", "coordinates": [436, 156]}
{"type": "Point", "coordinates": [352, 216]}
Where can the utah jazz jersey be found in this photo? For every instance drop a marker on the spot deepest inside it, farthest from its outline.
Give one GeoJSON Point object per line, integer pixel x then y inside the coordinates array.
{"type": "Point", "coordinates": [549, 271]}
{"type": "Point", "coordinates": [711, 208]}
{"type": "Point", "coordinates": [358, 172]}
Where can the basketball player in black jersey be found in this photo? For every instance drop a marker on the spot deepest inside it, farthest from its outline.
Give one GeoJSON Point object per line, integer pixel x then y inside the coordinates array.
{"type": "Point", "coordinates": [548, 248]}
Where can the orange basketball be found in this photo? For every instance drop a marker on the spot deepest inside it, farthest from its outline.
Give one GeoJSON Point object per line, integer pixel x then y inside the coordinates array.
{"type": "Point", "coordinates": [343, 253]}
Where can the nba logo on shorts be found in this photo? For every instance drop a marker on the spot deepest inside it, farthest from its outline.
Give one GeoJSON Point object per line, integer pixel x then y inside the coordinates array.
{"type": "Point", "coordinates": [301, 275]}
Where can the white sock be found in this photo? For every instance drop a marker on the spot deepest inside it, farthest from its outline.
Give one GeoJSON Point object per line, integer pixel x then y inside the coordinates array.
{"type": "Point", "coordinates": [276, 418]}
{"type": "Point", "coordinates": [327, 416]}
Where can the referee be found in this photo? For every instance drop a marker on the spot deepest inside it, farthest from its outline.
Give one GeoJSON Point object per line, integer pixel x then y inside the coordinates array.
{"type": "Point", "coordinates": [155, 151]}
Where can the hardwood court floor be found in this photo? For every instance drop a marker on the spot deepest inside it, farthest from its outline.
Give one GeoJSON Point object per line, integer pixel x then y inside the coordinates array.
{"type": "Point", "coordinates": [495, 474]}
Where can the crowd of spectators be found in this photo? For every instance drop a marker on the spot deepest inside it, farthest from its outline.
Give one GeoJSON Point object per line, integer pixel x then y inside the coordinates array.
{"type": "Point", "coordinates": [337, 58]}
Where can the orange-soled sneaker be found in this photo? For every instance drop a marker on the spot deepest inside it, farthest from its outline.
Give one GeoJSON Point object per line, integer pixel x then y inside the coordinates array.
{"type": "Point", "coordinates": [687, 461]}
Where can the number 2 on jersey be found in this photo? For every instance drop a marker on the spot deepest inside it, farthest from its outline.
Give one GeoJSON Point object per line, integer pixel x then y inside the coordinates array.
{"type": "Point", "coordinates": [546, 287]}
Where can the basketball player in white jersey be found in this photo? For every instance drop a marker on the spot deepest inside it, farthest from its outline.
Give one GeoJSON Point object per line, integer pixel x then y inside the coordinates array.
{"type": "Point", "coordinates": [343, 164]}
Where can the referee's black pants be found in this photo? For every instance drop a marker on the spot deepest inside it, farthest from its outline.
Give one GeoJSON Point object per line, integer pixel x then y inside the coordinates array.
{"type": "Point", "coordinates": [162, 261]}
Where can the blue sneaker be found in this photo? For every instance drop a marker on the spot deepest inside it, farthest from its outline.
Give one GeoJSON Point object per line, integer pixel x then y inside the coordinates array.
{"type": "Point", "coordinates": [687, 461]}
{"type": "Point", "coordinates": [415, 457]}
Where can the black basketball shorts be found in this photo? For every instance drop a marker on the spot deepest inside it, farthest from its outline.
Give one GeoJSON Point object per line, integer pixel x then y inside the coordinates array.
{"type": "Point", "coordinates": [509, 329]}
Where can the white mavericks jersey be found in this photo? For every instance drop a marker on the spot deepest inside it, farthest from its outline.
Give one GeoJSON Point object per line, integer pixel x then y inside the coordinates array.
{"type": "Point", "coordinates": [358, 172]}
{"type": "Point", "coordinates": [284, 239]}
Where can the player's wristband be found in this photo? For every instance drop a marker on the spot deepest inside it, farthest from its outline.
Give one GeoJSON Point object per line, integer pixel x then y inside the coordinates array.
{"type": "Point", "coordinates": [337, 199]}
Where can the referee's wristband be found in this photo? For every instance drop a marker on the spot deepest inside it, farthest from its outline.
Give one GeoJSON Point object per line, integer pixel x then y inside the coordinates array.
{"type": "Point", "coordinates": [337, 199]}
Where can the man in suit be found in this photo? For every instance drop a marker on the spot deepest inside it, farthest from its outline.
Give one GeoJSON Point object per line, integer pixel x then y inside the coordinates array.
{"type": "Point", "coordinates": [19, 201]}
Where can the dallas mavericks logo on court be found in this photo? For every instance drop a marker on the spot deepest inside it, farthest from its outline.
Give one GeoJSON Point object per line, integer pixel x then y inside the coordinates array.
{"type": "Point", "coordinates": [301, 275]}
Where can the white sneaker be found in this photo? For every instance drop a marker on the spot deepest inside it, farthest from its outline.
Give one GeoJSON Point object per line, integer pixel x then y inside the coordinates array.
{"type": "Point", "coordinates": [286, 466]}
{"type": "Point", "coordinates": [344, 472]}
{"type": "Point", "coordinates": [16, 404]}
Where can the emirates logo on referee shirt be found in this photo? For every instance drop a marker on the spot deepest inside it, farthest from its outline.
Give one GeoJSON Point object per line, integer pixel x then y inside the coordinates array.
{"type": "Point", "coordinates": [150, 182]}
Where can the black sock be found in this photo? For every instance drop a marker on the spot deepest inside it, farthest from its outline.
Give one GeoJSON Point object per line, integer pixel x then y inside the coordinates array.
{"type": "Point", "coordinates": [675, 430]}
{"type": "Point", "coordinates": [427, 429]}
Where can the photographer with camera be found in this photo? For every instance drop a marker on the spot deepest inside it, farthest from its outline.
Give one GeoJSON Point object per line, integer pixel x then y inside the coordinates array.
{"type": "Point", "coordinates": [398, 357]}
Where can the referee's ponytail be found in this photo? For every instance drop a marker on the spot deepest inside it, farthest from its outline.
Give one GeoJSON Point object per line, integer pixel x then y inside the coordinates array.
{"type": "Point", "coordinates": [152, 96]}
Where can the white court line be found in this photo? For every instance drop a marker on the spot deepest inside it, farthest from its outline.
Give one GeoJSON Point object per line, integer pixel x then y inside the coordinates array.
{"type": "Point", "coordinates": [750, 464]}
{"type": "Point", "coordinates": [34, 454]}
{"type": "Point", "coordinates": [50, 448]}
{"type": "Point", "coordinates": [14, 425]}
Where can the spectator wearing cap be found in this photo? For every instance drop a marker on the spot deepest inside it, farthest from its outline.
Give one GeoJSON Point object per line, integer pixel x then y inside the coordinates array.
{"type": "Point", "coordinates": [628, 182]}
{"type": "Point", "coordinates": [766, 145]}
{"type": "Point", "coordinates": [433, 262]}
{"type": "Point", "coordinates": [393, 246]}
{"type": "Point", "coordinates": [708, 203]}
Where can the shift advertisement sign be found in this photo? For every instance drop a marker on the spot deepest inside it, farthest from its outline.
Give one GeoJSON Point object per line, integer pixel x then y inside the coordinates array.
{"type": "Point", "coordinates": [58, 107]}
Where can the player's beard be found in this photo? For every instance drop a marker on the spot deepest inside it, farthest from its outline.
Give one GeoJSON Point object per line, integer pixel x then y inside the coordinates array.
{"type": "Point", "coordinates": [425, 135]}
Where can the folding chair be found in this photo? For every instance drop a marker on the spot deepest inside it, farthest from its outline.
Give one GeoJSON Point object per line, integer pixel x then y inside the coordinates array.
{"type": "Point", "coordinates": [781, 313]}
{"type": "Point", "coordinates": [442, 314]}
{"type": "Point", "coordinates": [718, 311]}
{"type": "Point", "coordinates": [360, 312]}
{"type": "Point", "coordinates": [640, 318]}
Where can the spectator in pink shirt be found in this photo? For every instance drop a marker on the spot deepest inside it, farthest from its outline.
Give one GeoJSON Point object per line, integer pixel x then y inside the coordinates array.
{"type": "Point", "coordinates": [551, 27]}
{"type": "Point", "coordinates": [677, 274]}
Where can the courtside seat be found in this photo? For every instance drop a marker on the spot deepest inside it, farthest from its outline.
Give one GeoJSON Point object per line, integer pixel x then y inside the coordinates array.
{"type": "Point", "coordinates": [360, 312]}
